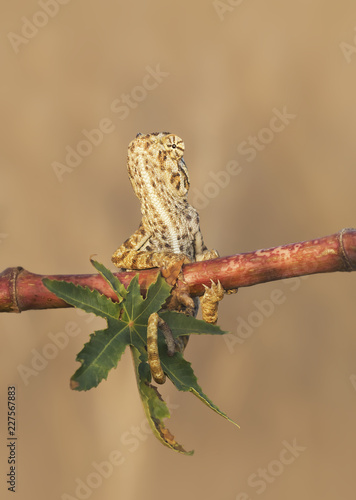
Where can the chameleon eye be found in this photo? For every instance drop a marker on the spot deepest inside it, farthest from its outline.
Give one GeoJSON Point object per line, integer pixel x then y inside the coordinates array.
{"type": "Point", "coordinates": [174, 146]}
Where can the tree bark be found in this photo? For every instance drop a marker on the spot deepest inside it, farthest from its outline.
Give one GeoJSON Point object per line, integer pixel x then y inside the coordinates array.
{"type": "Point", "coordinates": [21, 290]}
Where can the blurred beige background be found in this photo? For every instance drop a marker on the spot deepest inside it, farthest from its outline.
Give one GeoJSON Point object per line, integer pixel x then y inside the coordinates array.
{"type": "Point", "coordinates": [216, 73]}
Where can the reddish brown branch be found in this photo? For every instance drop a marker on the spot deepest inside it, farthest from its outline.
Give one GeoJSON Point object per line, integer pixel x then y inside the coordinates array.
{"type": "Point", "coordinates": [21, 290]}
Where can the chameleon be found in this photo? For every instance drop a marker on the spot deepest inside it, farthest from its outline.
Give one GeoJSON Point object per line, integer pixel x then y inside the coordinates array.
{"type": "Point", "coordinates": [169, 234]}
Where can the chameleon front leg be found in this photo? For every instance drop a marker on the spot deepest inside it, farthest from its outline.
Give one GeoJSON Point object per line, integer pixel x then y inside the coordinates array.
{"type": "Point", "coordinates": [210, 300]}
{"type": "Point", "coordinates": [130, 256]}
{"type": "Point", "coordinates": [133, 259]}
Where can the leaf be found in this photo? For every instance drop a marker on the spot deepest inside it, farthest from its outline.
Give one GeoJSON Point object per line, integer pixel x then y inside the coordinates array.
{"type": "Point", "coordinates": [82, 297]}
{"type": "Point", "coordinates": [113, 281]}
{"type": "Point", "coordinates": [137, 310]}
{"type": "Point", "coordinates": [127, 325]}
{"type": "Point", "coordinates": [140, 309]}
{"type": "Point", "coordinates": [100, 355]}
{"type": "Point", "coordinates": [181, 374]}
{"type": "Point", "coordinates": [154, 406]}
{"type": "Point", "coordinates": [178, 370]}
{"type": "Point", "coordinates": [180, 324]}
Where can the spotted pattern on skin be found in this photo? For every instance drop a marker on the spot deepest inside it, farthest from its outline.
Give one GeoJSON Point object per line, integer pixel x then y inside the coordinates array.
{"type": "Point", "coordinates": [160, 180]}
{"type": "Point", "coordinates": [169, 232]}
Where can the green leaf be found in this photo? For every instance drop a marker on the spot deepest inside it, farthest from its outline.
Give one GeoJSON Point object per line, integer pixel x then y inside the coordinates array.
{"type": "Point", "coordinates": [154, 406]}
{"type": "Point", "coordinates": [178, 370]}
{"type": "Point", "coordinates": [137, 310]}
{"type": "Point", "coordinates": [82, 297]}
{"type": "Point", "coordinates": [100, 355]}
{"type": "Point", "coordinates": [180, 324]}
{"type": "Point", "coordinates": [113, 281]}
{"type": "Point", "coordinates": [105, 347]}
{"type": "Point", "coordinates": [181, 374]}
{"type": "Point", "coordinates": [127, 325]}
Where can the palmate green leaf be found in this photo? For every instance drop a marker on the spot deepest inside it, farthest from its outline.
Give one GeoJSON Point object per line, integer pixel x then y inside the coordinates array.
{"type": "Point", "coordinates": [127, 322]}
{"type": "Point", "coordinates": [127, 325]}
{"type": "Point", "coordinates": [155, 408]}
{"type": "Point", "coordinates": [137, 310]}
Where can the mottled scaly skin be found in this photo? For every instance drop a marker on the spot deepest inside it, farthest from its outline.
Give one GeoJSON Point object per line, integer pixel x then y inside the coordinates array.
{"type": "Point", "coordinates": [169, 232]}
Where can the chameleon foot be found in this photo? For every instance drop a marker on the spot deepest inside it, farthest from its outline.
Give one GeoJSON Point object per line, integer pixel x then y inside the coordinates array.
{"type": "Point", "coordinates": [209, 301]}
{"type": "Point", "coordinates": [181, 301]}
{"type": "Point", "coordinates": [152, 349]}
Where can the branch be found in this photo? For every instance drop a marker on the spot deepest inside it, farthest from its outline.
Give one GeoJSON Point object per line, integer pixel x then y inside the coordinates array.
{"type": "Point", "coordinates": [21, 290]}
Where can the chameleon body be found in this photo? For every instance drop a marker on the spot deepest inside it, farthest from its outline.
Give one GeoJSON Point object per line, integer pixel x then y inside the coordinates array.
{"type": "Point", "coordinates": [169, 234]}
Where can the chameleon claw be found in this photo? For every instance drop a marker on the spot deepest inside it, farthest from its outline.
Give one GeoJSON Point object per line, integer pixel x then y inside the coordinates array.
{"type": "Point", "coordinates": [209, 301]}
{"type": "Point", "coordinates": [215, 291]}
{"type": "Point", "coordinates": [181, 300]}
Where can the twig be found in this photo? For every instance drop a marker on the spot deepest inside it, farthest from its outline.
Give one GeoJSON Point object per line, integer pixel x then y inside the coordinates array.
{"type": "Point", "coordinates": [21, 290]}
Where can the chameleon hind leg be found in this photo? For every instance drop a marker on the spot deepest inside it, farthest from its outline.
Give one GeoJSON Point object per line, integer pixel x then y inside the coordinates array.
{"type": "Point", "coordinates": [210, 300]}
{"type": "Point", "coordinates": [179, 301]}
{"type": "Point", "coordinates": [173, 345]}
{"type": "Point", "coordinates": [152, 349]}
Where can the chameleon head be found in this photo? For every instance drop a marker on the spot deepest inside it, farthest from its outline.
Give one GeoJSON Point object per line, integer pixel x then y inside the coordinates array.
{"type": "Point", "coordinates": [158, 158]}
